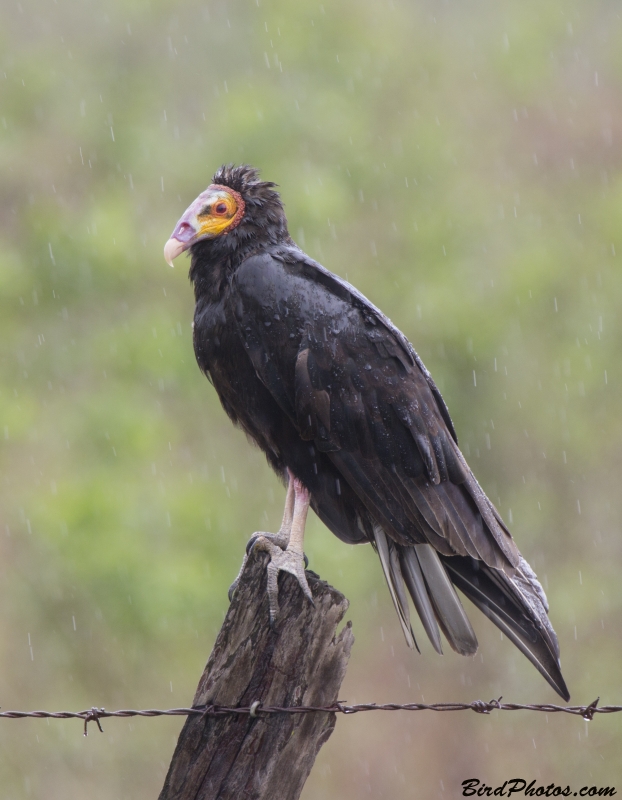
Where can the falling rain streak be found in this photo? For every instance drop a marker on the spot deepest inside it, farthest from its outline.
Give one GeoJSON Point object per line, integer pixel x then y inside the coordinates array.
{"type": "Point", "coordinates": [460, 164]}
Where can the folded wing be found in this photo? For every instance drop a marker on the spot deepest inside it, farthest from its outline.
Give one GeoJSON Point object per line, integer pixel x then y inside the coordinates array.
{"type": "Point", "coordinates": [356, 390]}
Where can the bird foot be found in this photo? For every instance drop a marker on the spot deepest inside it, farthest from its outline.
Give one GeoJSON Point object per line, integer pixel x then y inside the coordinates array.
{"type": "Point", "coordinates": [285, 547]}
{"type": "Point", "coordinates": [288, 560]}
{"type": "Point", "coordinates": [279, 539]}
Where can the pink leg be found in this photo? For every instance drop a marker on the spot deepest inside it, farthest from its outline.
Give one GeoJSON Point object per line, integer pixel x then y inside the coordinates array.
{"type": "Point", "coordinates": [291, 559]}
{"type": "Point", "coordinates": [285, 547]}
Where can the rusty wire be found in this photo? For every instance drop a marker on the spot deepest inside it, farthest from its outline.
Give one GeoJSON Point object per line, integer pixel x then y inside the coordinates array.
{"type": "Point", "coordinates": [95, 714]}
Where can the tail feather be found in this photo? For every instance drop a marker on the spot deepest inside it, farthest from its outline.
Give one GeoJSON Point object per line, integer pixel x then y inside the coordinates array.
{"type": "Point", "coordinates": [518, 608]}
{"type": "Point", "coordinates": [450, 614]}
{"type": "Point", "coordinates": [415, 582]}
{"type": "Point", "coordinates": [395, 581]}
{"type": "Point", "coordinates": [514, 600]}
{"type": "Point", "coordinates": [516, 604]}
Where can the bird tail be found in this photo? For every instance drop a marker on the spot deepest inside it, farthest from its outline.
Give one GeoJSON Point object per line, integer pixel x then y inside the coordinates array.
{"type": "Point", "coordinates": [516, 604]}
{"type": "Point", "coordinates": [387, 551]}
{"type": "Point", "coordinates": [518, 607]}
{"type": "Point", "coordinates": [419, 570]}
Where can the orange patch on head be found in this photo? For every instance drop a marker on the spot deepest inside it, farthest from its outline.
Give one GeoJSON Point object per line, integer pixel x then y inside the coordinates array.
{"type": "Point", "coordinates": [223, 211]}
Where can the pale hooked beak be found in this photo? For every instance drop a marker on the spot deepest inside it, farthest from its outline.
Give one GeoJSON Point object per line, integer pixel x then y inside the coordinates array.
{"type": "Point", "coordinates": [172, 249]}
{"type": "Point", "coordinates": [181, 239]}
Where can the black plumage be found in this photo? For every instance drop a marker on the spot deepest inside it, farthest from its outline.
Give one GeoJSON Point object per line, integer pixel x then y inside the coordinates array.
{"type": "Point", "coordinates": [330, 389]}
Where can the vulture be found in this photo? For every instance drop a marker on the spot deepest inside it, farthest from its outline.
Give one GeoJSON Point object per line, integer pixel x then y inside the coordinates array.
{"type": "Point", "coordinates": [348, 415]}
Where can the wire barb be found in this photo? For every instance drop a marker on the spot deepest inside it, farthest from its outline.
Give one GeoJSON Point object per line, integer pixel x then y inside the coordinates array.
{"type": "Point", "coordinates": [93, 716]}
{"type": "Point", "coordinates": [485, 708]}
{"type": "Point", "coordinates": [257, 710]}
{"type": "Point", "coordinates": [588, 714]}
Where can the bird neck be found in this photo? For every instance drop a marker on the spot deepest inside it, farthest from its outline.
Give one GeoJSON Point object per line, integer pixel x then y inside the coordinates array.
{"type": "Point", "coordinates": [209, 276]}
{"type": "Point", "coordinates": [214, 262]}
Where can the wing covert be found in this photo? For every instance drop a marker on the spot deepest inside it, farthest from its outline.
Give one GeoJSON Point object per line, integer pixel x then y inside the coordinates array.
{"type": "Point", "coordinates": [358, 391]}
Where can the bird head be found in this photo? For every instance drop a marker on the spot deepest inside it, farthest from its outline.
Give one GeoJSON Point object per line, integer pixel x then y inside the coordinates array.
{"type": "Point", "coordinates": [235, 198]}
{"type": "Point", "coordinates": [216, 211]}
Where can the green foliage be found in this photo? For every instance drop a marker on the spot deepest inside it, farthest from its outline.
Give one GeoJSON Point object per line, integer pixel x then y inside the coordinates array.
{"type": "Point", "coordinates": [457, 163]}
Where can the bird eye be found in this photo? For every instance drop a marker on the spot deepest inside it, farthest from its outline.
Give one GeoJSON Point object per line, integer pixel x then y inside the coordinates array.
{"type": "Point", "coordinates": [221, 208]}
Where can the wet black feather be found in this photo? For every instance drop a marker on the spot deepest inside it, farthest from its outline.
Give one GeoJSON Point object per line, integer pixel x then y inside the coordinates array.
{"type": "Point", "coordinates": [327, 386]}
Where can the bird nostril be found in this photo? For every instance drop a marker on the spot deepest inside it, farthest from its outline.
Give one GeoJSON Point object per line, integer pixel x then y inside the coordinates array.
{"type": "Point", "coordinates": [184, 232]}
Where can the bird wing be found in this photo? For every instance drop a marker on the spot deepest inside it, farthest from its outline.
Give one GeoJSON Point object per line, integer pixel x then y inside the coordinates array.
{"type": "Point", "coordinates": [354, 387]}
{"type": "Point", "coordinates": [352, 384]}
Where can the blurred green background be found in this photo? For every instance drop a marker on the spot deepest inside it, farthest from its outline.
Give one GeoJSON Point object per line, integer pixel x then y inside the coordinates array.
{"type": "Point", "coordinates": [461, 164]}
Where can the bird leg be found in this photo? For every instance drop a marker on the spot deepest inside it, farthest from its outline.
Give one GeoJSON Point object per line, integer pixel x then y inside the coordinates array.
{"type": "Point", "coordinates": [292, 559]}
{"type": "Point", "coordinates": [285, 547]}
{"type": "Point", "coordinates": [280, 539]}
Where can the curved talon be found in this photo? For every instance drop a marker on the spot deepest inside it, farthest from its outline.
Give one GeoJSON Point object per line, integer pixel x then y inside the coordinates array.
{"type": "Point", "coordinates": [251, 543]}
{"type": "Point", "coordinates": [306, 560]}
{"type": "Point", "coordinates": [284, 561]}
{"type": "Point", "coordinates": [278, 539]}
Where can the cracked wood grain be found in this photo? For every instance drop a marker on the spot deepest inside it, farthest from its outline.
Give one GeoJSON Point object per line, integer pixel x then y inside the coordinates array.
{"type": "Point", "coordinates": [301, 661]}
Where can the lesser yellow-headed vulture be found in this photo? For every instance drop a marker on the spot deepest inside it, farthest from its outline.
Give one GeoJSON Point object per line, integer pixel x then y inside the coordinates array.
{"type": "Point", "coordinates": [346, 412]}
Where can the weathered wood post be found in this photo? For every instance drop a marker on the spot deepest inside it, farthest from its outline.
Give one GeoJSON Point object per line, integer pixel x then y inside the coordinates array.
{"type": "Point", "coordinates": [302, 661]}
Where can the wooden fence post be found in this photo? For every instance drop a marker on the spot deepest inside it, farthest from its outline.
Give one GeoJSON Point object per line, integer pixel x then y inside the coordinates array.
{"type": "Point", "coordinates": [302, 661]}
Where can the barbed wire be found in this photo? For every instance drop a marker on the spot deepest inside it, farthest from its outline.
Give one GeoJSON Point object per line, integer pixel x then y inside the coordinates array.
{"type": "Point", "coordinates": [256, 710]}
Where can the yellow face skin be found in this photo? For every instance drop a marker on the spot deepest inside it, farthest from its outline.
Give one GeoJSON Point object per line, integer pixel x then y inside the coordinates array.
{"type": "Point", "coordinates": [217, 213]}
{"type": "Point", "coordinates": [211, 214]}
